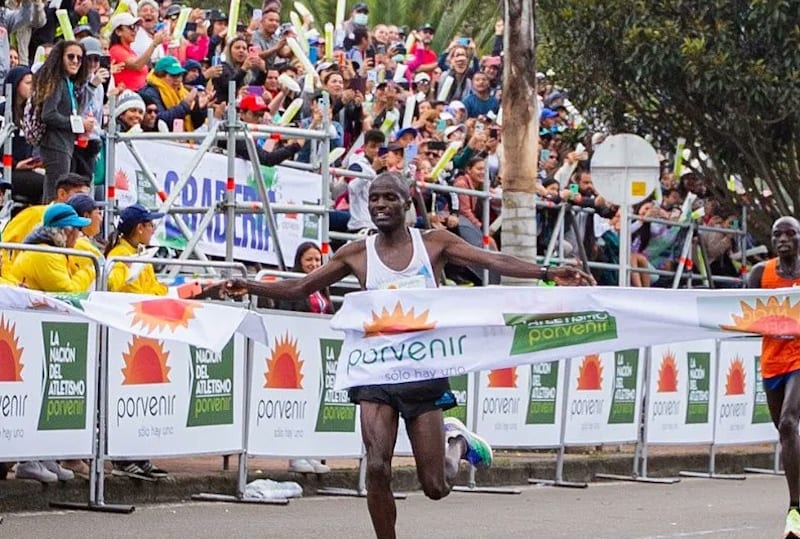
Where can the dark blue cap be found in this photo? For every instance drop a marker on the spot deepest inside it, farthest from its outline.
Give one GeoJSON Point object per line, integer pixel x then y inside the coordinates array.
{"type": "Point", "coordinates": [135, 214]}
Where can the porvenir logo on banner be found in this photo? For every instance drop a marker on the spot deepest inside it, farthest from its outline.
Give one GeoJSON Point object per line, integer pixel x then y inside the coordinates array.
{"type": "Point", "coordinates": [10, 352]}
{"type": "Point", "coordinates": [64, 376]}
{"type": "Point", "coordinates": [735, 379]}
{"type": "Point", "coordinates": [397, 321]}
{"type": "Point", "coordinates": [503, 378]}
{"type": "Point", "coordinates": [145, 362]}
{"type": "Point", "coordinates": [284, 366]}
{"type": "Point", "coordinates": [668, 374]}
{"type": "Point", "coordinates": [211, 401]}
{"type": "Point", "coordinates": [535, 332]}
{"type": "Point", "coordinates": [770, 317]}
{"type": "Point", "coordinates": [163, 313]}
{"type": "Point", "coordinates": [590, 373]}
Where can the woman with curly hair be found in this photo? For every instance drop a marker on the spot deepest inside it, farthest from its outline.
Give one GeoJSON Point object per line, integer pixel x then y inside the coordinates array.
{"type": "Point", "coordinates": [60, 98]}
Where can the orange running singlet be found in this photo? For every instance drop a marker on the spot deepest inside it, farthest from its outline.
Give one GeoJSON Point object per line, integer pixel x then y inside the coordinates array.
{"type": "Point", "coordinates": [778, 356]}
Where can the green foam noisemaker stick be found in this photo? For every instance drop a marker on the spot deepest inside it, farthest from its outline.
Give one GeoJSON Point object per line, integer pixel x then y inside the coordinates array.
{"type": "Point", "coordinates": [180, 26]}
{"type": "Point", "coordinates": [65, 24]}
{"type": "Point", "coordinates": [233, 19]}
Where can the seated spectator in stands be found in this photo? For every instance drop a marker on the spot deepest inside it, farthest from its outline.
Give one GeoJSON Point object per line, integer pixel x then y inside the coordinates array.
{"type": "Point", "coordinates": [87, 208]}
{"type": "Point", "coordinates": [133, 75]}
{"type": "Point", "coordinates": [134, 231]}
{"type": "Point", "coordinates": [27, 183]}
{"type": "Point", "coordinates": [49, 272]}
{"type": "Point", "coordinates": [480, 101]}
{"type": "Point", "coordinates": [60, 93]}
{"type": "Point", "coordinates": [177, 106]}
{"type": "Point", "coordinates": [22, 224]}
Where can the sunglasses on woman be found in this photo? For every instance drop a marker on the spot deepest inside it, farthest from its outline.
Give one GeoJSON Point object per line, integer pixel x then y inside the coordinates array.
{"type": "Point", "coordinates": [74, 57]}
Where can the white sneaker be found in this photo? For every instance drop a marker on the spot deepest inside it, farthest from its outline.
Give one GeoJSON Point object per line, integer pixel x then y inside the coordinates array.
{"type": "Point", "coordinates": [33, 469]}
{"type": "Point", "coordinates": [61, 473]}
{"type": "Point", "coordinates": [318, 466]}
{"type": "Point", "coordinates": [301, 466]}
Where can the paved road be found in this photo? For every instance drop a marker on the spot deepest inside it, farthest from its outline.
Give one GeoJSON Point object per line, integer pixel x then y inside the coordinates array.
{"type": "Point", "coordinates": [693, 508]}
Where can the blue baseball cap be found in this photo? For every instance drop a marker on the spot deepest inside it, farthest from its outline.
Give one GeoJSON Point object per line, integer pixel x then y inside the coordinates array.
{"type": "Point", "coordinates": [549, 113]}
{"type": "Point", "coordinates": [407, 131]}
{"type": "Point", "coordinates": [135, 214]}
{"type": "Point", "coordinates": [60, 215]}
{"type": "Point", "coordinates": [83, 203]}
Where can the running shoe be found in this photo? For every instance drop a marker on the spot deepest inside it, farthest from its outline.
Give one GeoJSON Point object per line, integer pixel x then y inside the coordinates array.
{"type": "Point", "coordinates": [792, 524]}
{"type": "Point", "coordinates": [130, 470]}
{"type": "Point", "coordinates": [152, 470]}
{"type": "Point", "coordinates": [479, 452]}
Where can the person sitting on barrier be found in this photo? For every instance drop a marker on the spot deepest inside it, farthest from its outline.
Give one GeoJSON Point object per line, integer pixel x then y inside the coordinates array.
{"type": "Point", "coordinates": [134, 231]}
{"type": "Point", "coordinates": [50, 272]}
{"type": "Point", "coordinates": [174, 102]}
{"type": "Point", "coordinates": [780, 361]}
{"type": "Point", "coordinates": [27, 183]}
{"type": "Point", "coordinates": [308, 258]}
{"type": "Point", "coordinates": [399, 256]}
{"type": "Point", "coordinates": [25, 221]}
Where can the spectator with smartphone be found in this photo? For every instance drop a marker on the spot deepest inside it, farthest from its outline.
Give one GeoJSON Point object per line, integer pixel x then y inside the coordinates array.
{"type": "Point", "coordinates": [242, 65]}
{"type": "Point", "coordinates": [133, 74]}
{"type": "Point", "coordinates": [149, 25]}
{"type": "Point", "coordinates": [460, 73]}
{"type": "Point", "coordinates": [270, 39]}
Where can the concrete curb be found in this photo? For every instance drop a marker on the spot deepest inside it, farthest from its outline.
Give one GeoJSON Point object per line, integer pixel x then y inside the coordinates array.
{"type": "Point", "coordinates": [23, 495]}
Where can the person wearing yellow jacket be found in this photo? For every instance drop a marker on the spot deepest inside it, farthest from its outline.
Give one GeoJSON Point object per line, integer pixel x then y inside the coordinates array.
{"type": "Point", "coordinates": [23, 223]}
{"type": "Point", "coordinates": [134, 232]}
{"type": "Point", "coordinates": [49, 272]}
{"type": "Point", "coordinates": [86, 206]}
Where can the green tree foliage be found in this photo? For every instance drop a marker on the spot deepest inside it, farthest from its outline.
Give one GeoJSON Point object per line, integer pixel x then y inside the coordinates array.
{"type": "Point", "coordinates": [724, 74]}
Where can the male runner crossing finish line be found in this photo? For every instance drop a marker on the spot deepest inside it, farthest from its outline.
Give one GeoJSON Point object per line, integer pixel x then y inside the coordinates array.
{"type": "Point", "coordinates": [780, 361]}
{"type": "Point", "coordinates": [402, 257]}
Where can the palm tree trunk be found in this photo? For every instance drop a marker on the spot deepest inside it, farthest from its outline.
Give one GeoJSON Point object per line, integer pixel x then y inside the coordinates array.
{"type": "Point", "coordinates": [520, 132]}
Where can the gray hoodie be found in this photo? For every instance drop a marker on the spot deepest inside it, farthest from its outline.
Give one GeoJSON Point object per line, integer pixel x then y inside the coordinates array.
{"type": "Point", "coordinates": [12, 20]}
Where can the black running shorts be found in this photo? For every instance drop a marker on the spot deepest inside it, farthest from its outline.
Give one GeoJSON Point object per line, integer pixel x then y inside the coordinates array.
{"type": "Point", "coordinates": [411, 399]}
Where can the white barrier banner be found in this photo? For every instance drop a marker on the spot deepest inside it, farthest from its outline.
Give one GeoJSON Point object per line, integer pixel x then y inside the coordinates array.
{"type": "Point", "coordinates": [294, 409]}
{"type": "Point", "coordinates": [462, 388]}
{"type": "Point", "coordinates": [47, 386]}
{"type": "Point", "coordinates": [405, 335]}
{"type": "Point", "coordinates": [521, 406]}
{"type": "Point", "coordinates": [681, 394]}
{"type": "Point", "coordinates": [207, 187]}
{"type": "Point", "coordinates": [742, 415]}
{"type": "Point", "coordinates": [604, 398]}
{"type": "Point", "coordinates": [167, 398]}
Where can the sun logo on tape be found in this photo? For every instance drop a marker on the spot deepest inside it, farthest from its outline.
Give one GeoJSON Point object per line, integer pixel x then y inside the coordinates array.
{"type": "Point", "coordinates": [398, 321]}
{"type": "Point", "coordinates": [668, 374]}
{"type": "Point", "coordinates": [503, 377]}
{"type": "Point", "coordinates": [158, 314]}
{"type": "Point", "coordinates": [590, 374]}
{"type": "Point", "coordinates": [145, 362]}
{"type": "Point", "coordinates": [770, 317]}
{"type": "Point", "coordinates": [284, 366]}
{"type": "Point", "coordinates": [735, 380]}
{"type": "Point", "coordinates": [10, 352]}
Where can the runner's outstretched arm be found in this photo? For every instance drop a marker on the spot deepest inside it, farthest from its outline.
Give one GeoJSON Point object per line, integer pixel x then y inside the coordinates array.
{"type": "Point", "coordinates": [458, 251]}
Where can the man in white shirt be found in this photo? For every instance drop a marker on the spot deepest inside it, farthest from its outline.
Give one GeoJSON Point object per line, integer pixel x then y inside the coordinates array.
{"type": "Point", "coordinates": [148, 13]}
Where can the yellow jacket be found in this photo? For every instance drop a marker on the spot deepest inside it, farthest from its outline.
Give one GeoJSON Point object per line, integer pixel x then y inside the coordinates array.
{"type": "Point", "coordinates": [77, 263]}
{"type": "Point", "coordinates": [132, 278]}
{"type": "Point", "coordinates": [49, 272]}
{"type": "Point", "coordinates": [18, 229]}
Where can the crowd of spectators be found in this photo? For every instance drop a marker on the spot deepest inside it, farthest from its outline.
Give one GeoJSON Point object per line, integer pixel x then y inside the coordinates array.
{"type": "Point", "coordinates": [396, 104]}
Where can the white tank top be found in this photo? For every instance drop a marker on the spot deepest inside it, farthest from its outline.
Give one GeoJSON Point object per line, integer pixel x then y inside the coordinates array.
{"type": "Point", "coordinates": [418, 273]}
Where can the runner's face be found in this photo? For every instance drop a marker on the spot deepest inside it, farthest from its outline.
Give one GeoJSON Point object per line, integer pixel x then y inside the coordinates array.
{"type": "Point", "coordinates": [386, 205]}
{"type": "Point", "coordinates": [786, 238]}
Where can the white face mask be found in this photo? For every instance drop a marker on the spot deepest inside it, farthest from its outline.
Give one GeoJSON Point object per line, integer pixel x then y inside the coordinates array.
{"type": "Point", "coordinates": [361, 19]}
